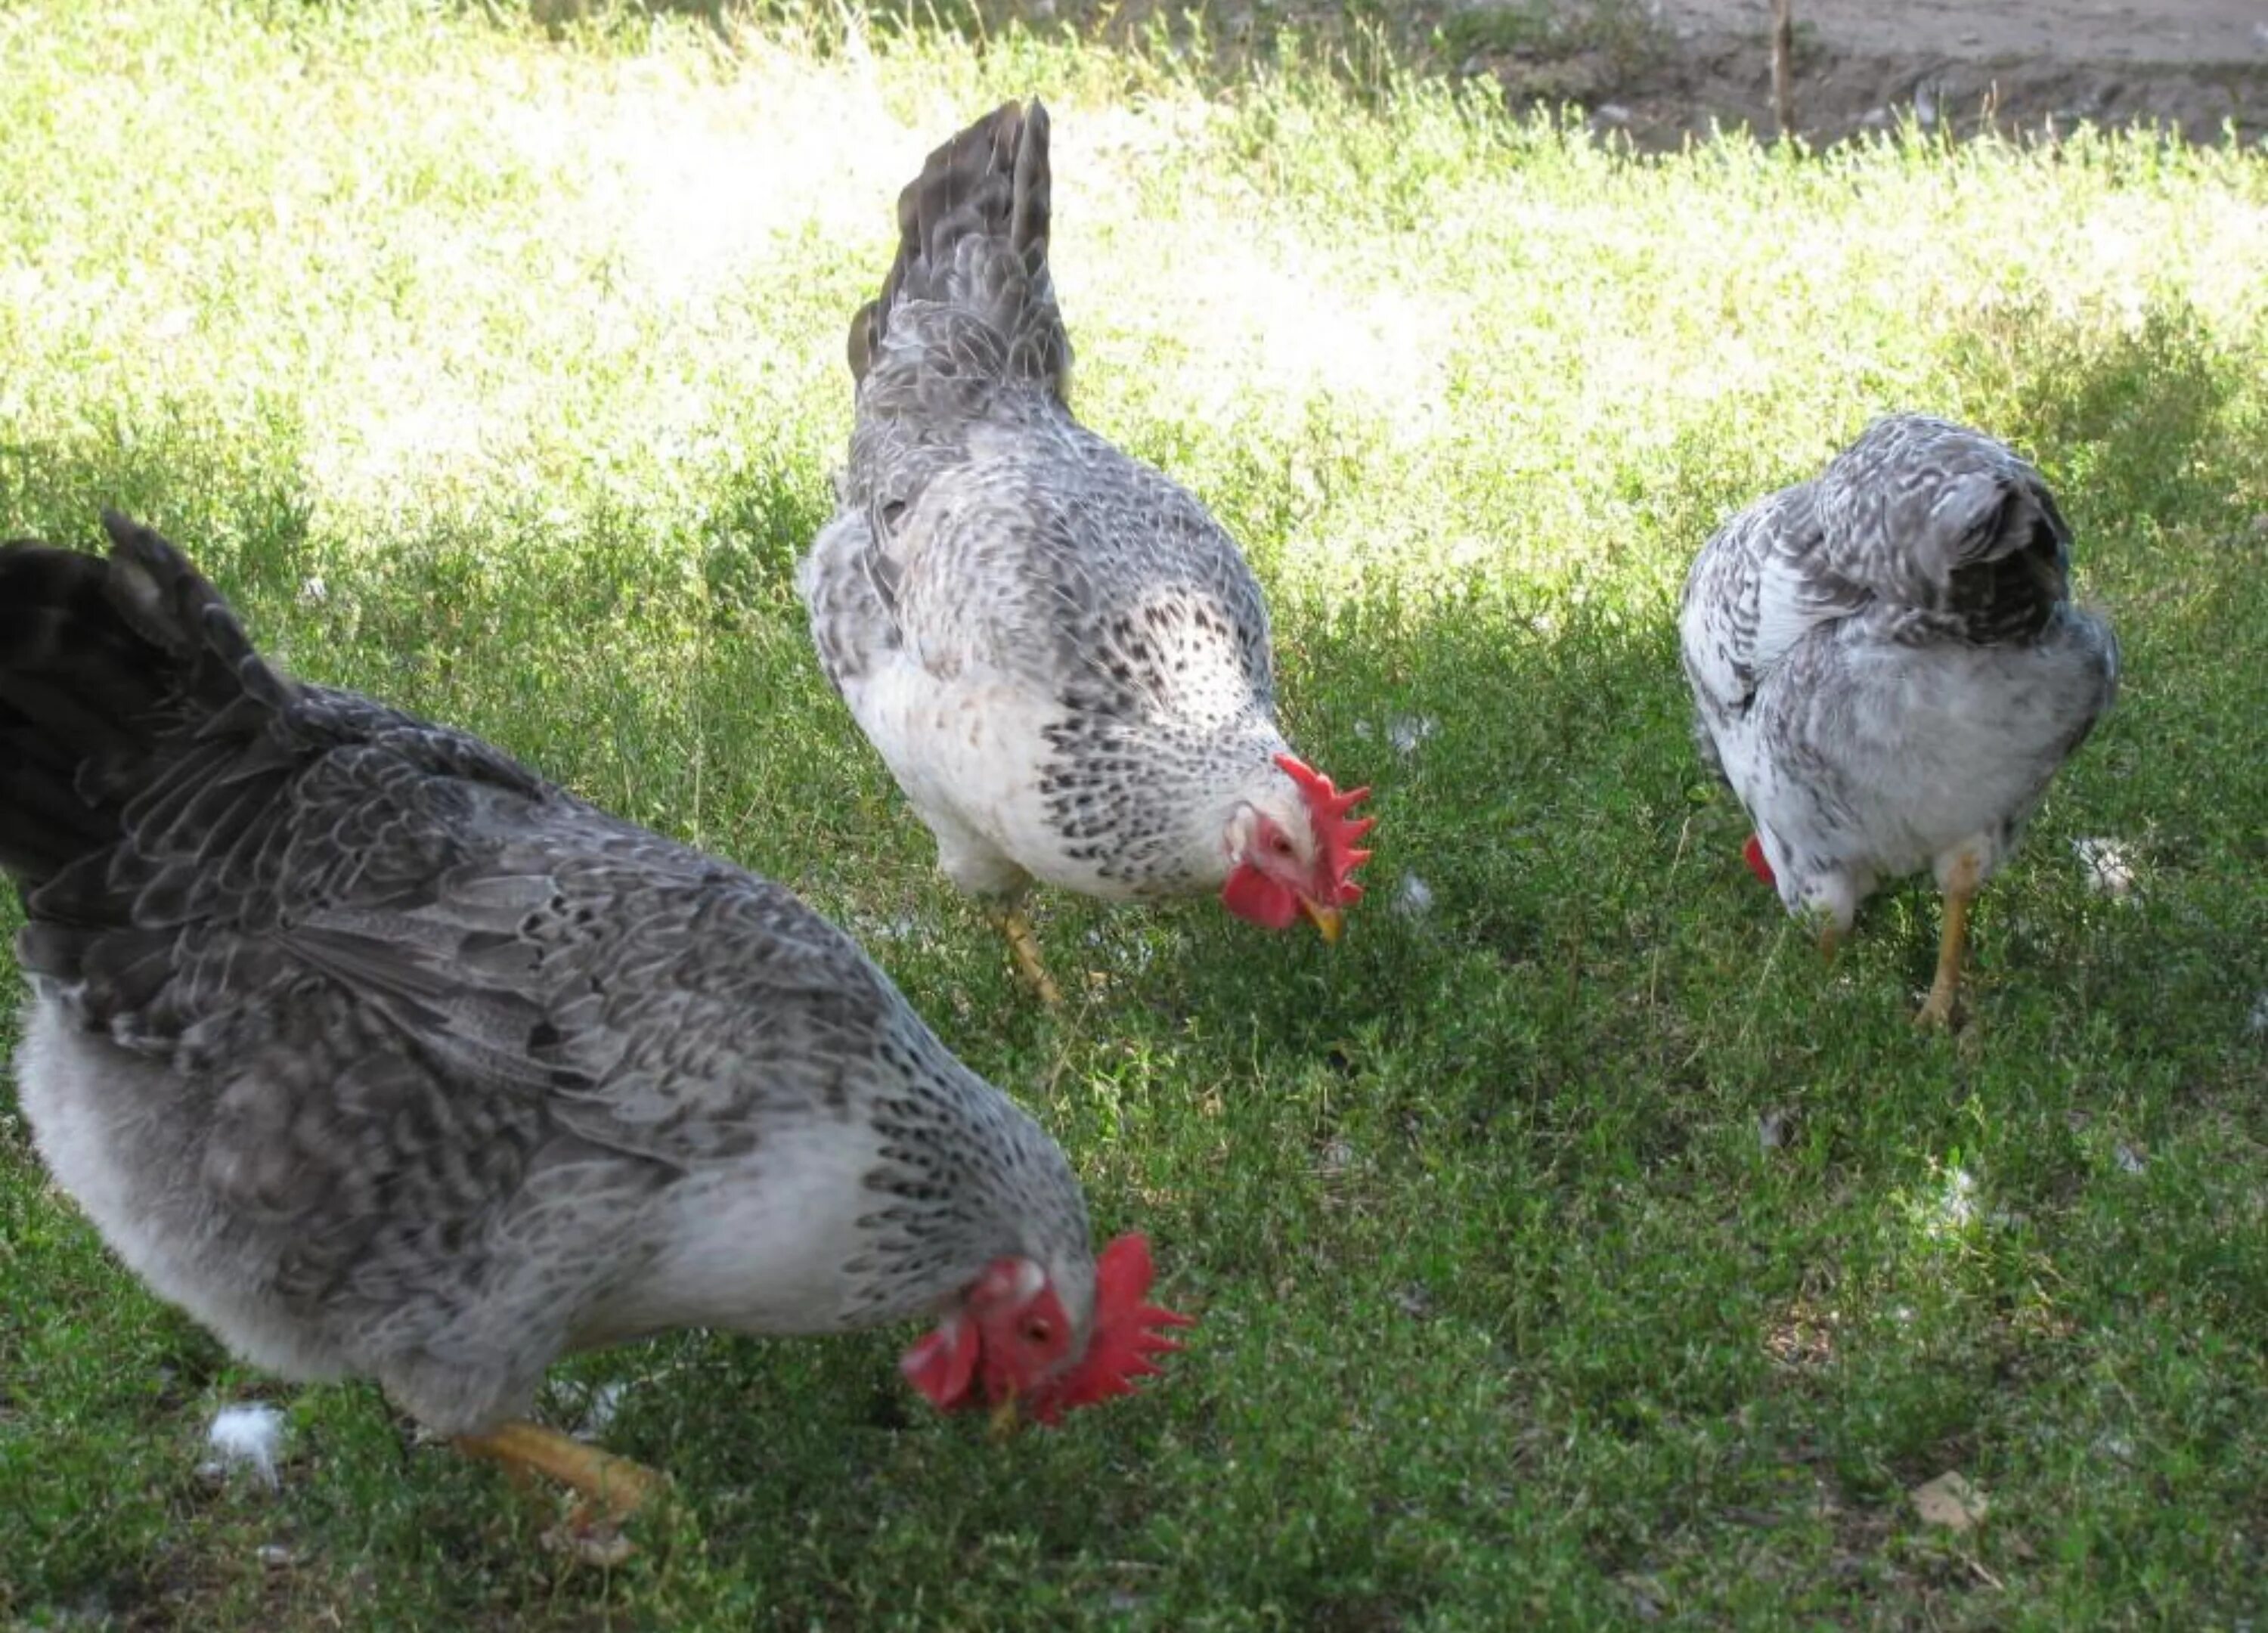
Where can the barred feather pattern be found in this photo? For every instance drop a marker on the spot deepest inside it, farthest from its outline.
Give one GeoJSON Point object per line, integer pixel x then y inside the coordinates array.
{"type": "Point", "coordinates": [385, 1057]}
{"type": "Point", "coordinates": [1886, 661]}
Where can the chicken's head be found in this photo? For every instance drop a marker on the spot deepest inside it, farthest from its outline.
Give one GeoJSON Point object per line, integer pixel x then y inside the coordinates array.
{"type": "Point", "coordinates": [1012, 1346]}
{"type": "Point", "coordinates": [1299, 859]}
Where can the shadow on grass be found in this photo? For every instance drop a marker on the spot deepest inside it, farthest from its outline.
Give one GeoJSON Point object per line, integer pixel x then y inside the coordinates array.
{"type": "Point", "coordinates": [229, 489]}
{"type": "Point", "coordinates": [1497, 1215]}
{"type": "Point", "coordinates": [1548, 840]}
{"type": "Point", "coordinates": [2134, 425]}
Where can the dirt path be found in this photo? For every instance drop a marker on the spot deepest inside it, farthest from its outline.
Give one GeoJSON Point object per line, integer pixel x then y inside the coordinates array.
{"type": "Point", "coordinates": [1661, 71]}
{"type": "Point", "coordinates": [2093, 32]}
{"type": "Point", "coordinates": [1662, 68]}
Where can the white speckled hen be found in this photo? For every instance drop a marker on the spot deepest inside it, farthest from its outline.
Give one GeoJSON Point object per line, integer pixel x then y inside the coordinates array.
{"type": "Point", "coordinates": [1888, 668]}
{"type": "Point", "coordinates": [386, 1058]}
{"type": "Point", "coordinates": [1064, 659]}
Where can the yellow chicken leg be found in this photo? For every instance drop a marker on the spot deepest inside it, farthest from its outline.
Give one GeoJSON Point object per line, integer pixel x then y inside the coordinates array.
{"type": "Point", "coordinates": [614, 1487]}
{"type": "Point", "coordinates": [1013, 924]}
{"type": "Point", "coordinates": [1952, 940]}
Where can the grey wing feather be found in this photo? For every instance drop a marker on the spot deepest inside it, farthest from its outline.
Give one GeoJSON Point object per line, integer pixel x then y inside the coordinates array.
{"type": "Point", "coordinates": [394, 964]}
{"type": "Point", "coordinates": [1932, 531]}
{"type": "Point", "coordinates": [1759, 585]}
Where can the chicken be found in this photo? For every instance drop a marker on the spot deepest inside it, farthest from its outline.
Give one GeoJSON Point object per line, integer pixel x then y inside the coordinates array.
{"type": "Point", "coordinates": [1063, 659]}
{"type": "Point", "coordinates": [1888, 669]}
{"type": "Point", "coordinates": [385, 1058]}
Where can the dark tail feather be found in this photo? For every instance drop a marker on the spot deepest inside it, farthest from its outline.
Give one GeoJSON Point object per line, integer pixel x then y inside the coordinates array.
{"type": "Point", "coordinates": [973, 235]}
{"type": "Point", "coordinates": [99, 660]}
{"type": "Point", "coordinates": [2010, 584]}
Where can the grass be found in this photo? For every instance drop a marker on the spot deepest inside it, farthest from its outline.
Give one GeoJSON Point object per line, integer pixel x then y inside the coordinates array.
{"type": "Point", "coordinates": [1573, 1250]}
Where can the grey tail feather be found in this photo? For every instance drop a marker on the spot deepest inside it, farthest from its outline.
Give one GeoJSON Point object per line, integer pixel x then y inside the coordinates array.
{"type": "Point", "coordinates": [992, 183]}
{"type": "Point", "coordinates": [102, 660]}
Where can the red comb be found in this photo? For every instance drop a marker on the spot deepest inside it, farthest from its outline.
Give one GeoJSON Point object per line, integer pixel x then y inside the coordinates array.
{"type": "Point", "coordinates": [1329, 808]}
{"type": "Point", "coordinates": [1755, 853]}
{"type": "Point", "coordinates": [1128, 1335]}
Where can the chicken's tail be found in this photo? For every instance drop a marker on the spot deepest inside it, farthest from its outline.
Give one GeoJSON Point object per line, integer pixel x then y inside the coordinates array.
{"type": "Point", "coordinates": [970, 280]}
{"type": "Point", "coordinates": [2014, 573]}
{"type": "Point", "coordinates": [114, 673]}
{"type": "Point", "coordinates": [1950, 522]}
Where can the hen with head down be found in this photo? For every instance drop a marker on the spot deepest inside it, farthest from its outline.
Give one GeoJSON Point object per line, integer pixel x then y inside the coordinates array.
{"type": "Point", "coordinates": [386, 1058]}
{"type": "Point", "coordinates": [1061, 657]}
{"type": "Point", "coordinates": [1887, 667]}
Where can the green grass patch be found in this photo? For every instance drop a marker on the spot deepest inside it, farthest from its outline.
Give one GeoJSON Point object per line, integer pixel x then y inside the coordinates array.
{"type": "Point", "coordinates": [1573, 1248]}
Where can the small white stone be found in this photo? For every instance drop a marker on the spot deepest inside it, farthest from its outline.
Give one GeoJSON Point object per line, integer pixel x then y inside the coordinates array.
{"type": "Point", "coordinates": [249, 1434]}
{"type": "Point", "coordinates": [2256, 1022]}
{"type": "Point", "coordinates": [1413, 898]}
{"type": "Point", "coordinates": [2129, 1159]}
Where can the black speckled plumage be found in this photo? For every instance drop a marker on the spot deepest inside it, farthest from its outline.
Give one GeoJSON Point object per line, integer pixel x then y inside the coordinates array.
{"type": "Point", "coordinates": [386, 1057]}
{"type": "Point", "coordinates": [1061, 657]}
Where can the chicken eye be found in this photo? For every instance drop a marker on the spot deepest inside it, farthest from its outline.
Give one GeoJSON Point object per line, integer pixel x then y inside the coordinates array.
{"type": "Point", "coordinates": [1280, 845]}
{"type": "Point", "coordinates": [1038, 1329]}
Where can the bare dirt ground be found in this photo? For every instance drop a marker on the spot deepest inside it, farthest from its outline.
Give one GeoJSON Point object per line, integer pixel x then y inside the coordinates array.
{"type": "Point", "coordinates": [1662, 70]}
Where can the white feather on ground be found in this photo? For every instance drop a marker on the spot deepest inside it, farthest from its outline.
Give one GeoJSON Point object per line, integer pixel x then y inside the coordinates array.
{"type": "Point", "coordinates": [249, 1435]}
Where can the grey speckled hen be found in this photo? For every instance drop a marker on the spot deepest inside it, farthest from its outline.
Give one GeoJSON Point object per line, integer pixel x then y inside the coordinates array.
{"type": "Point", "coordinates": [384, 1057]}
{"type": "Point", "coordinates": [1061, 657]}
{"type": "Point", "coordinates": [1888, 668]}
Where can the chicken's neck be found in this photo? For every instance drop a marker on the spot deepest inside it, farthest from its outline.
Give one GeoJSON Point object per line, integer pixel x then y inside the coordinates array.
{"type": "Point", "coordinates": [963, 1176]}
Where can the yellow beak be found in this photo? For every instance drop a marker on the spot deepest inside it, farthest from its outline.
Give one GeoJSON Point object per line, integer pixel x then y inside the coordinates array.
{"type": "Point", "coordinates": [1328, 921]}
{"type": "Point", "coordinates": [1005, 1419]}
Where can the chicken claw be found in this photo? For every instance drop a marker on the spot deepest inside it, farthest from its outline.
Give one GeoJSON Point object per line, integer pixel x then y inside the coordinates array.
{"type": "Point", "coordinates": [613, 1488]}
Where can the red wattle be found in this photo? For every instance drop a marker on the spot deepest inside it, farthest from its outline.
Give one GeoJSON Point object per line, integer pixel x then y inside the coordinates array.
{"type": "Point", "coordinates": [942, 1364]}
{"type": "Point", "coordinates": [1251, 895]}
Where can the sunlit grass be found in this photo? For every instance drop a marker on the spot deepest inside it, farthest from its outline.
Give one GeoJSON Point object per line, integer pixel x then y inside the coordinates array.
{"type": "Point", "coordinates": [1571, 1244]}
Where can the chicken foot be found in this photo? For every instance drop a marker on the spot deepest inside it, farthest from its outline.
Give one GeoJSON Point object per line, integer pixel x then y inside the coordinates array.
{"type": "Point", "coordinates": [1953, 940]}
{"type": "Point", "coordinates": [612, 1488]}
{"type": "Point", "coordinates": [1016, 925]}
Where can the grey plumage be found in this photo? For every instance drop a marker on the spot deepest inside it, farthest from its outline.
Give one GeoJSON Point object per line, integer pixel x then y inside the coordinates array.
{"type": "Point", "coordinates": [1887, 665]}
{"type": "Point", "coordinates": [1061, 657]}
{"type": "Point", "coordinates": [386, 1057]}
